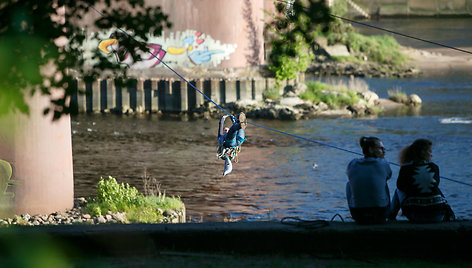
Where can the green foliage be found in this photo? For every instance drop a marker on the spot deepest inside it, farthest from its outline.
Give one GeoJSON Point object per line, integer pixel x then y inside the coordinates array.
{"type": "Point", "coordinates": [339, 7]}
{"type": "Point", "coordinates": [272, 94]}
{"type": "Point", "coordinates": [292, 36]}
{"type": "Point", "coordinates": [113, 194]}
{"type": "Point", "coordinates": [115, 197]}
{"type": "Point", "coordinates": [334, 97]}
{"type": "Point", "coordinates": [32, 59]}
{"type": "Point", "coordinates": [382, 49]}
{"type": "Point", "coordinates": [287, 67]}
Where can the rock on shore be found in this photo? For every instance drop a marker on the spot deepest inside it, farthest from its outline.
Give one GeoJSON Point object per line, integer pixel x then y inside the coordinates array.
{"type": "Point", "coordinates": [291, 107]}
{"type": "Point", "coordinates": [76, 216]}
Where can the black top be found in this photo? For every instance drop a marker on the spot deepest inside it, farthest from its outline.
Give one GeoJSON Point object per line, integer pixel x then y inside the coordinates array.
{"type": "Point", "coordinates": [419, 180]}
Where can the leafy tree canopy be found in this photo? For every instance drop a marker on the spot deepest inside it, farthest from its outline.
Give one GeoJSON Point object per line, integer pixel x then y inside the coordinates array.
{"type": "Point", "coordinates": [293, 30]}
{"type": "Point", "coordinates": [41, 45]}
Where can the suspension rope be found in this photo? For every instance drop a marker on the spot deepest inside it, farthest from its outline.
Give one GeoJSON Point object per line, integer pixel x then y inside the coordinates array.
{"type": "Point", "coordinates": [261, 126]}
{"type": "Point", "coordinates": [390, 31]}
{"type": "Point", "coordinates": [401, 34]}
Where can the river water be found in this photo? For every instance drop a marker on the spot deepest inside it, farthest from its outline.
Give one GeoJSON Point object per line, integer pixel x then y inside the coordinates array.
{"type": "Point", "coordinates": [278, 175]}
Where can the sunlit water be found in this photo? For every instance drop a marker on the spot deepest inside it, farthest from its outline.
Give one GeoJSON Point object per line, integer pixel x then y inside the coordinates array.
{"type": "Point", "coordinates": [278, 175]}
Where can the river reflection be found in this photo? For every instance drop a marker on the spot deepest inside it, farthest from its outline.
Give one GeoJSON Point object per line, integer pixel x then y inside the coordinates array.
{"type": "Point", "coordinates": [276, 175]}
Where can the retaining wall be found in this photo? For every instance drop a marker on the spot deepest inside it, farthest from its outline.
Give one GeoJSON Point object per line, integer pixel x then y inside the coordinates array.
{"type": "Point", "coordinates": [164, 94]}
{"type": "Point", "coordinates": [414, 7]}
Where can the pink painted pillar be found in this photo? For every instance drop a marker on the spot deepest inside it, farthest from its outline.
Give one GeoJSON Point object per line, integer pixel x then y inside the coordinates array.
{"type": "Point", "coordinates": [238, 23]}
{"type": "Point", "coordinates": [40, 151]}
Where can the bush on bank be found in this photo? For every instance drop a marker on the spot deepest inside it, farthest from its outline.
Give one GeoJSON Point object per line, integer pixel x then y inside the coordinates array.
{"type": "Point", "coordinates": [381, 49]}
{"type": "Point", "coordinates": [333, 96]}
{"type": "Point", "coordinates": [115, 197]}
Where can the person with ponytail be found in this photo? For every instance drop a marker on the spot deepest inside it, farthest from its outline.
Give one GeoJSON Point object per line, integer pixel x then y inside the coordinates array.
{"type": "Point", "coordinates": [418, 193]}
{"type": "Point", "coordinates": [367, 191]}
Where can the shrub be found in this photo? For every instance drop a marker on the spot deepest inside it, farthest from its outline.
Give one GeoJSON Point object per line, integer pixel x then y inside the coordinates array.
{"type": "Point", "coordinates": [115, 197]}
{"type": "Point", "coordinates": [333, 96]}
{"type": "Point", "coordinates": [272, 94]}
{"type": "Point", "coordinates": [382, 49]}
{"type": "Point", "coordinates": [397, 96]}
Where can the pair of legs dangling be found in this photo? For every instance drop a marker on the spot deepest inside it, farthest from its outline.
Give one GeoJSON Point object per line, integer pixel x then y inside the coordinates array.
{"type": "Point", "coordinates": [235, 135]}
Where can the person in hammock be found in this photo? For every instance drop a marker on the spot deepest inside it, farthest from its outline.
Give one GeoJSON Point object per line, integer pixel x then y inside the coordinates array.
{"type": "Point", "coordinates": [230, 140]}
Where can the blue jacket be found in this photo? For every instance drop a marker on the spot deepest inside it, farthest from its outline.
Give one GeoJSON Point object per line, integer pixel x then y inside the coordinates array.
{"type": "Point", "coordinates": [367, 185]}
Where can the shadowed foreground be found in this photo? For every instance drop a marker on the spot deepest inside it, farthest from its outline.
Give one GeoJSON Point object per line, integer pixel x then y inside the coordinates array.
{"type": "Point", "coordinates": [239, 244]}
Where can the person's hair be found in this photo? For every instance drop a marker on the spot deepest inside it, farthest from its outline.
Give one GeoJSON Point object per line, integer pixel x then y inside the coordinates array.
{"type": "Point", "coordinates": [414, 152]}
{"type": "Point", "coordinates": [368, 142]}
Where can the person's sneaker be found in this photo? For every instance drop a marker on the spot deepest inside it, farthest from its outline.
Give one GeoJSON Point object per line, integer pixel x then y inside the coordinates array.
{"type": "Point", "coordinates": [242, 120]}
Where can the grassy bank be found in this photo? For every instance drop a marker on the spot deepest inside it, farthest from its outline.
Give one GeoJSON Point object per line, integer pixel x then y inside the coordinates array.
{"type": "Point", "coordinates": [115, 197]}
{"type": "Point", "coordinates": [334, 96]}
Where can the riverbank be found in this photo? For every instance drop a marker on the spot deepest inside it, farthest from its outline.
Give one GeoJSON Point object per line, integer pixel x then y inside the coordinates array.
{"type": "Point", "coordinates": [439, 60]}
{"type": "Point", "coordinates": [76, 215]}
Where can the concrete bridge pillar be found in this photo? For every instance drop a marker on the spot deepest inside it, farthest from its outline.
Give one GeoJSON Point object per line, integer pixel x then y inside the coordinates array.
{"type": "Point", "coordinates": [230, 91]}
{"type": "Point", "coordinates": [40, 151]}
{"type": "Point", "coordinates": [199, 98]}
{"type": "Point", "coordinates": [110, 95]}
{"type": "Point", "coordinates": [124, 97]}
{"type": "Point", "coordinates": [93, 104]}
{"type": "Point", "coordinates": [140, 96]}
{"type": "Point", "coordinates": [215, 91]}
{"type": "Point", "coordinates": [245, 89]}
{"type": "Point", "coordinates": [181, 89]}
{"type": "Point", "coordinates": [259, 88]}
{"type": "Point", "coordinates": [81, 96]}
{"type": "Point", "coordinates": [154, 95]}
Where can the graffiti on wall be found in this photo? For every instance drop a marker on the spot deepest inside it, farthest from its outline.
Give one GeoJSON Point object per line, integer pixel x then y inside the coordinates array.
{"type": "Point", "coordinates": [186, 49]}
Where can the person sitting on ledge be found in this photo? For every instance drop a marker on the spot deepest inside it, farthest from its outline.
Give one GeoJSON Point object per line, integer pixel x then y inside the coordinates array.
{"type": "Point", "coordinates": [418, 193]}
{"type": "Point", "coordinates": [367, 191]}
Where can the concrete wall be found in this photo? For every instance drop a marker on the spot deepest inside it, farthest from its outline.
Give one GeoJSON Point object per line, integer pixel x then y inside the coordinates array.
{"type": "Point", "coordinates": [414, 7]}
{"type": "Point", "coordinates": [40, 152]}
{"type": "Point", "coordinates": [207, 34]}
{"type": "Point", "coordinates": [164, 94]}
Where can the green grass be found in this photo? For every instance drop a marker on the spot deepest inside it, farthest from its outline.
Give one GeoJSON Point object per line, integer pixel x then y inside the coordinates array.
{"type": "Point", "coordinates": [272, 94]}
{"type": "Point", "coordinates": [381, 49]}
{"type": "Point", "coordinates": [335, 96]}
{"type": "Point", "coordinates": [397, 95]}
{"type": "Point", "coordinates": [116, 197]}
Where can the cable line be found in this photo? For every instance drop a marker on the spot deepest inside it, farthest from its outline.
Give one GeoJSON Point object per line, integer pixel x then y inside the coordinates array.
{"type": "Point", "coordinates": [390, 31]}
{"type": "Point", "coordinates": [401, 34]}
{"type": "Point", "coordinates": [261, 126]}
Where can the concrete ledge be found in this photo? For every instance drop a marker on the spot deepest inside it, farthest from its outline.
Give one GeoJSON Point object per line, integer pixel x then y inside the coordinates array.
{"type": "Point", "coordinates": [393, 240]}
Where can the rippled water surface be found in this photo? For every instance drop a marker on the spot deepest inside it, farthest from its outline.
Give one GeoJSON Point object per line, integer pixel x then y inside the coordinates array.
{"type": "Point", "coordinates": [278, 175]}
